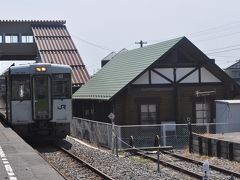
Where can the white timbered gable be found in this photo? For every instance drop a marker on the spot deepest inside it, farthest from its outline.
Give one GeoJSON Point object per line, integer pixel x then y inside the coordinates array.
{"type": "Point", "coordinates": [143, 79]}
{"type": "Point", "coordinates": [183, 76]}
{"type": "Point", "coordinates": [206, 76]}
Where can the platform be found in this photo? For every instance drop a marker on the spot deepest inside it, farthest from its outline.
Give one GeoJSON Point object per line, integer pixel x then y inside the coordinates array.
{"type": "Point", "coordinates": [19, 161]}
{"type": "Point", "coordinates": [225, 145]}
{"type": "Point", "coordinates": [230, 137]}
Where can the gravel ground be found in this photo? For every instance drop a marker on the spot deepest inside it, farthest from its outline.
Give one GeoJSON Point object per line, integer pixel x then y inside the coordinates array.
{"type": "Point", "coordinates": [67, 165]}
{"type": "Point", "coordinates": [224, 163]}
{"type": "Point", "coordinates": [194, 167]}
{"type": "Point", "coordinates": [125, 167]}
{"type": "Point", "coordinates": [128, 166]}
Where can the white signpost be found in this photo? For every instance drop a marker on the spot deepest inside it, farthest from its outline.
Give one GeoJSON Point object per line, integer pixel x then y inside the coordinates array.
{"type": "Point", "coordinates": [205, 170]}
{"type": "Point", "coordinates": [111, 116]}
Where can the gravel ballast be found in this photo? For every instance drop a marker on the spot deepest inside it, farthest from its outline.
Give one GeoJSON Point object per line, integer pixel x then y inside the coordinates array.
{"type": "Point", "coordinates": [124, 167]}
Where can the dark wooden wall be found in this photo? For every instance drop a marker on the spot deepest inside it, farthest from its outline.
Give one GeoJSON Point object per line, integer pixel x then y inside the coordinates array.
{"type": "Point", "coordinates": [92, 109]}
{"type": "Point", "coordinates": [127, 103]}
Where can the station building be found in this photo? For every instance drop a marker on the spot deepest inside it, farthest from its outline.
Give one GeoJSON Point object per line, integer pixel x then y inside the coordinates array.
{"type": "Point", "coordinates": [170, 81]}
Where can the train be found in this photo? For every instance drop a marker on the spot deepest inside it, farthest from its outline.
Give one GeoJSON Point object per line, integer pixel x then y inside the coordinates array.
{"type": "Point", "coordinates": [36, 99]}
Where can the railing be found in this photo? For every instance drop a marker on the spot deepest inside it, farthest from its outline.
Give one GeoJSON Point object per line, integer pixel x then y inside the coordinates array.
{"type": "Point", "coordinates": [175, 135]}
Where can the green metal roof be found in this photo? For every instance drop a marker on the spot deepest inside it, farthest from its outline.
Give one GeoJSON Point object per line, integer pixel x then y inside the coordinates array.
{"type": "Point", "coordinates": [121, 70]}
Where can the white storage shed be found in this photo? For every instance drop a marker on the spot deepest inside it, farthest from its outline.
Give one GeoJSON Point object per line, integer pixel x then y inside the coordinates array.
{"type": "Point", "coordinates": [227, 112]}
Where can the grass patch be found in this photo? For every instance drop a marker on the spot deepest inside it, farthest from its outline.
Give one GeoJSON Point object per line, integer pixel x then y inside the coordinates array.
{"type": "Point", "coordinates": [140, 160]}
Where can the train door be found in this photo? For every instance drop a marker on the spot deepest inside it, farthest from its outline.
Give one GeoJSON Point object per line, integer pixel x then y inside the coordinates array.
{"type": "Point", "coordinates": [41, 98]}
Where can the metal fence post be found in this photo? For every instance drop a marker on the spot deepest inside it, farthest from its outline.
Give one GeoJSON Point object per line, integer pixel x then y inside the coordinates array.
{"type": "Point", "coordinates": [111, 116]}
{"type": "Point", "coordinates": [200, 145]}
{"type": "Point", "coordinates": [158, 164]}
{"type": "Point", "coordinates": [157, 144]}
{"type": "Point", "coordinates": [207, 128]}
{"type": "Point", "coordinates": [190, 136]}
{"type": "Point", "coordinates": [116, 141]}
{"type": "Point", "coordinates": [112, 137]}
{"type": "Point", "coordinates": [108, 136]}
{"type": "Point", "coordinates": [164, 135]}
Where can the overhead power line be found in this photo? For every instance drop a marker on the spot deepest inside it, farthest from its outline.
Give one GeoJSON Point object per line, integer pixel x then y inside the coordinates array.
{"type": "Point", "coordinates": [228, 50]}
{"type": "Point", "coordinates": [221, 36]}
{"type": "Point", "coordinates": [92, 44]}
{"type": "Point", "coordinates": [226, 56]}
{"type": "Point", "coordinates": [215, 28]}
{"type": "Point", "coordinates": [212, 30]}
{"type": "Point", "coordinates": [226, 47]}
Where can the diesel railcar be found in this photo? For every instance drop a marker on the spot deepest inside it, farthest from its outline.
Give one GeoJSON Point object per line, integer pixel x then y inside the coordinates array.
{"type": "Point", "coordinates": [36, 99]}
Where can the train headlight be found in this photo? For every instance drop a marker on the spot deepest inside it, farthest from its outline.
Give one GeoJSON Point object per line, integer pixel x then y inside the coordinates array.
{"type": "Point", "coordinates": [41, 69]}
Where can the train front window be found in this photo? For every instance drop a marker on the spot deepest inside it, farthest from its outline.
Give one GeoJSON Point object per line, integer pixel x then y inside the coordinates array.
{"type": "Point", "coordinates": [20, 87]}
{"type": "Point", "coordinates": [61, 86]}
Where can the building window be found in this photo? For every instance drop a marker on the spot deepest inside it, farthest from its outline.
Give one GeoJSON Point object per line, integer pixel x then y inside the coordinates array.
{"type": "Point", "coordinates": [148, 113]}
{"type": "Point", "coordinates": [27, 39]}
{"type": "Point", "coordinates": [11, 38]}
{"type": "Point", "coordinates": [202, 112]}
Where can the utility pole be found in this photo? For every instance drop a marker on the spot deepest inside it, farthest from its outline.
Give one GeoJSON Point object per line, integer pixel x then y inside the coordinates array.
{"type": "Point", "coordinates": [141, 43]}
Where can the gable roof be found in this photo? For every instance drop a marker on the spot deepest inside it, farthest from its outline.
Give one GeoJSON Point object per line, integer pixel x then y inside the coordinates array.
{"type": "Point", "coordinates": [234, 66]}
{"type": "Point", "coordinates": [112, 54]}
{"type": "Point", "coordinates": [121, 70]}
{"type": "Point", "coordinates": [109, 56]}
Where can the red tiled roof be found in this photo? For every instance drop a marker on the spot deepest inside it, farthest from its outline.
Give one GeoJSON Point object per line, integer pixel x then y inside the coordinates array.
{"type": "Point", "coordinates": [71, 58]}
{"type": "Point", "coordinates": [34, 21]}
{"type": "Point", "coordinates": [56, 46]}
{"type": "Point", "coordinates": [50, 31]}
{"type": "Point", "coordinates": [83, 76]}
{"type": "Point", "coordinates": [55, 43]}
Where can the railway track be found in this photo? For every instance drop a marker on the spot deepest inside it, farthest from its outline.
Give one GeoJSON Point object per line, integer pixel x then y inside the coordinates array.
{"type": "Point", "coordinates": [69, 165]}
{"type": "Point", "coordinates": [213, 167]}
{"type": "Point", "coordinates": [171, 165]}
{"type": "Point", "coordinates": [189, 166]}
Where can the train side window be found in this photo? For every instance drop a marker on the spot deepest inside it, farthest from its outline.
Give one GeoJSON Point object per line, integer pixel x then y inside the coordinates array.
{"type": "Point", "coordinates": [27, 39]}
{"type": "Point", "coordinates": [11, 38]}
{"type": "Point", "coordinates": [20, 87]}
{"type": "Point", "coordinates": [61, 86]}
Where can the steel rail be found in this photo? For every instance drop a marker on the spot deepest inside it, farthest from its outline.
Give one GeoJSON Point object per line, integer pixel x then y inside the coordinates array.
{"type": "Point", "coordinates": [100, 173]}
{"type": "Point", "coordinates": [171, 165]}
{"type": "Point", "coordinates": [214, 167]}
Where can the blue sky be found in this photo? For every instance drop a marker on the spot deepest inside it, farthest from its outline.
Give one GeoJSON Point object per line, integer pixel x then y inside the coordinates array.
{"type": "Point", "coordinates": [110, 25]}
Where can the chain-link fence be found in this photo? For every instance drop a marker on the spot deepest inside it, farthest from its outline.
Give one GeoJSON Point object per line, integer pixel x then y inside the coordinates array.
{"type": "Point", "coordinates": [175, 135]}
{"type": "Point", "coordinates": [93, 131]}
